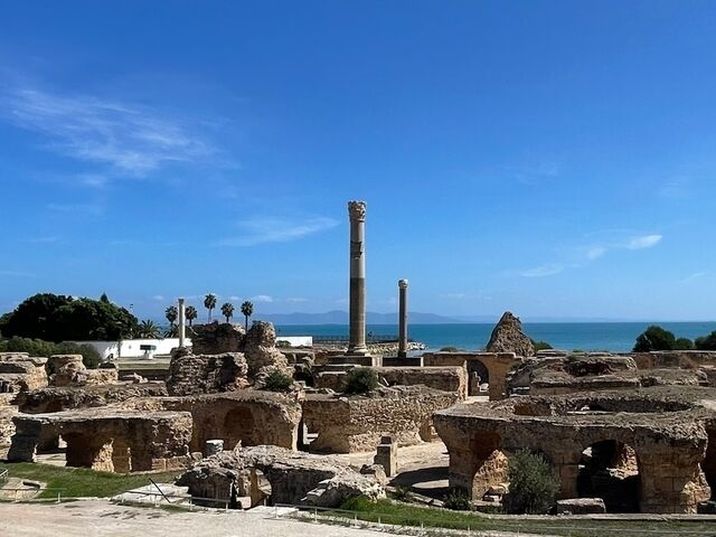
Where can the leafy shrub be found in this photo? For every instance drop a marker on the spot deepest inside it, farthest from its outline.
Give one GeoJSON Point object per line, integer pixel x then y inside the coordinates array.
{"type": "Point", "coordinates": [533, 485]}
{"type": "Point", "coordinates": [283, 344]}
{"type": "Point", "coordinates": [541, 345]}
{"type": "Point", "coordinates": [655, 338]}
{"type": "Point", "coordinates": [38, 347]}
{"type": "Point", "coordinates": [449, 349]}
{"type": "Point", "coordinates": [277, 381]}
{"type": "Point", "coordinates": [707, 343]}
{"type": "Point", "coordinates": [457, 500]}
{"type": "Point", "coordinates": [683, 344]}
{"type": "Point", "coordinates": [361, 380]}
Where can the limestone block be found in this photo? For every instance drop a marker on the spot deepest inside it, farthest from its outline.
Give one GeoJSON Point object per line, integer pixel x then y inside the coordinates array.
{"type": "Point", "coordinates": [581, 506]}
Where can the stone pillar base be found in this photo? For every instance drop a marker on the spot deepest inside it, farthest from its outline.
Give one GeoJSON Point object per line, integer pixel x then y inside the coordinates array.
{"type": "Point", "coordinates": [355, 359]}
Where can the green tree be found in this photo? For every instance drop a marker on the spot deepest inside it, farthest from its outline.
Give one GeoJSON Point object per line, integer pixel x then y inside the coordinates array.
{"type": "Point", "coordinates": [707, 343]}
{"type": "Point", "coordinates": [56, 318]}
{"type": "Point", "coordinates": [227, 310]}
{"type": "Point", "coordinates": [172, 314]}
{"type": "Point", "coordinates": [148, 330]}
{"type": "Point", "coordinates": [37, 347]}
{"type": "Point", "coordinates": [683, 344]}
{"type": "Point", "coordinates": [191, 314]}
{"type": "Point", "coordinates": [104, 298]}
{"type": "Point", "coordinates": [533, 485]}
{"type": "Point", "coordinates": [247, 309]}
{"type": "Point", "coordinates": [655, 338]}
{"type": "Point", "coordinates": [210, 303]}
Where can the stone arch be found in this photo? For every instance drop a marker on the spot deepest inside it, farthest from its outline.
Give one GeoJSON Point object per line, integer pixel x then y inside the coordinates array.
{"type": "Point", "coordinates": [240, 426]}
{"type": "Point", "coordinates": [708, 465]}
{"type": "Point", "coordinates": [477, 373]}
{"type": "Point", "coordinates": [490, 465]}
{"type": "Point", "coordinates": [609, 469]}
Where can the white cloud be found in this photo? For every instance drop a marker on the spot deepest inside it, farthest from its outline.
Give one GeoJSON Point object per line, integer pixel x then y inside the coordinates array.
{"type": "Point", "coordinates": [453, 296]}
{"type": "Point", "coordinates": [262, 298]}
{"type": "Point", "coordinates": [694, 276]}
{"type": "Point", "coordinates": [158, 298]}
{"type": "Point", "coordinates": [644, 241]}
{"type": "Point", "coordinates": [265, 230]}
{"type": "Point", "coordinates": [296, 300]}
{"type": "Point", "coordinates": [541, 271]}
{"type": "Point", "coordinates": [129, 138]}
{"type": "Point", "coordinates": [17, 274]}
{"type": "Point", "coordinates": [95, 209]}
{"type": "Point", "coordinates": [595, 252]}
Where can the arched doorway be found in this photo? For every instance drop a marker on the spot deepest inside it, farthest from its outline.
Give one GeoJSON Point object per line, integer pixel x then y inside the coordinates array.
{"type": "Point", "coordinates": [610, 470]}
{"type": "Point", "coordinates": [239, 426]}
{"type": "Point", "coordinates": [477, 376]}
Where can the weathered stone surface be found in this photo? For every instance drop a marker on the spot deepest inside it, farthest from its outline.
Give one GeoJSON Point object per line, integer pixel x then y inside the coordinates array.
{"type": "Point", "coordinates": [216, 338]}
{"type": "Point", "coordinates": [249, 416]}
{"type": "Point", "coordinates": [667, 435]}
{"type": "Point", "coordinates": [507, 336]}
{"type": "Point", "coordinates": [7, 427]}
{"type": "Point", "coordinates": [108, 440]}
{"type": "Point", "coordinates": [54, 399]}
{"type": "Point", "coordinates": [581, 506]}
{"type": "Point", "coordinates": [261, 353]}
{"type": "Point", "coordinates": [386, 456]}
{"type": "Point", "coordinates": [294, 478]}
{"type": "Point", "coordinates": [20, 372]}
{"type": "Point", "coordinates": [191, 374]}
{"type": "Point", "coordinates": [63, 369]}
{"type": "Point", "coordinates": [357, 423]}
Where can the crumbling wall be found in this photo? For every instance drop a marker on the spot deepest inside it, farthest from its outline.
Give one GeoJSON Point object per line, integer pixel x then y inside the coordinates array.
{"type": "Point", "coordinates": [191, 374]}
{"type": "Point", "coordinates": [261, 353]}
{"type": "Point", "coordinates": [108, 440]}
{"type": "Point", "coordinates": [356, 423]}
{"type": "Point", "coordinates": [217, 338]}
{"type": "Point", "coordinates": [508, 336]}
{"type": "Point", "coordinates": [293, 478]}
{"type": "Point", "coordinates": [20, 372]}
{"type": "Point", "coordinates": [498, 366]}
{"type": "Point", "coordinates": [69, 370]}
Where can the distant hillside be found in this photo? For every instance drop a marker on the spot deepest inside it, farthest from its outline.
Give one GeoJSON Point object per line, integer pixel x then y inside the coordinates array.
{"type": "Point", "coordinates": [341, 317]}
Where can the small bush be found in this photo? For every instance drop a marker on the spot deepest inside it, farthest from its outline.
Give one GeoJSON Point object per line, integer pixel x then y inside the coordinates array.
{"type": "Point", "coordinates": [449, 349]}
{"type": "Point", "coordinates": [283, 344]}
{"type": "Point", "coordinates": [38, 347]}
{"type": "Point", "coordinates": [457, 500]}
{"type": "Point", "coordinates": [361, 380]}
{"type": "Point", "coordinates": [655, 338]}
{"type": "Point", "coordinates": [541, 345]}
{"type": "Point", "coordinates": [683, 344]}
{"type": "Point", "coordinates": [278, 382]}
{"type": "Point", "coordinates": [533, 485]}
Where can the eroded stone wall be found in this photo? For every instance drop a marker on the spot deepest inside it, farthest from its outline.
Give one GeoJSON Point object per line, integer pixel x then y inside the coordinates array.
{"type": "Point", "coordinates": [191, 374]}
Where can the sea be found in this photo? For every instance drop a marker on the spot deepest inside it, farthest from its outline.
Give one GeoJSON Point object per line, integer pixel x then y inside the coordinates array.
{"type": "Point", "coordinates": [594, 336]}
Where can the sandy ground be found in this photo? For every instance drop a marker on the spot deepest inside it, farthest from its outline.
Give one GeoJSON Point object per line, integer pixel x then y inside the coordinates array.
{"type": "Point", "coordinates": [98, 518]}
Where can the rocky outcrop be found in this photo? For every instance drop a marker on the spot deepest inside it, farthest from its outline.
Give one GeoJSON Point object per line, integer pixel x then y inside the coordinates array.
{"type": "Point", "coordinates": [69, 370]}
{"type": "Point", "coordinates": [507, 336]}
{"type": "Point", "coordinates": [191, 374]}
{"type": "Point", "coordinates": [284, 476]}
{"type": "Point", "coordinates": [357, 423]}
{"type": "Point", "coordinates": [215, 338]}
{"type": "Point", "coordinates": [261, 353]}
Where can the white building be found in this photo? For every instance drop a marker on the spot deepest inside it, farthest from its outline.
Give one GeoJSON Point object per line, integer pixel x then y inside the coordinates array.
{"type": "Point", "coordinates": [134, 348]}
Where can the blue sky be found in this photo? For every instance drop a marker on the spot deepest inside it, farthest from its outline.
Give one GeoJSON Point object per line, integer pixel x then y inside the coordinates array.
{"type": "Point", "coordinates": [553, 158]}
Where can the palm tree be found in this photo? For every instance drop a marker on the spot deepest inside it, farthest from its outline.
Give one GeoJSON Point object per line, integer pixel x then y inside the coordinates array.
{"type": "Point", "coordinates": [227, 310]}
{"type": "Point", "coordinates": [148, 330]}
{"type": "Point", "coordinates": [190, 314]}
{"type": "Point", "coordinates": [210, 303]}
{"type": "Point", "coordinates": [247, 308]}
{"type": "Point", "coordinates": [171, 313]}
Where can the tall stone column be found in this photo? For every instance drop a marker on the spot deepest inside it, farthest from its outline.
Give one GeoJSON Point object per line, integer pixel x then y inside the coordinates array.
{"type": "Point", "coordinates": [403, 319]}
{"type": "Point", "coordinates": [182, 324]}
{"type": "Point", "coordinates": [356, 297]}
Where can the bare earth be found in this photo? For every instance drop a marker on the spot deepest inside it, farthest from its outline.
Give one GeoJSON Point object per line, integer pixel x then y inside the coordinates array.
{"type": "Point", "coordinates": [99, 518]}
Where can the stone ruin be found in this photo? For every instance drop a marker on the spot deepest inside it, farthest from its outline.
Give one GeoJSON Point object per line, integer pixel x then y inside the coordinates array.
{"type": "Point", "coordinates": [191, 374]}
{"type": "Point", "coordinates": [651, 450]}
{"type": "Point", "coordinates": [217, 338]}
{"type": "Point", "coordinates": [508, 336]}
{"type": "Point", "coordinates": [69, 370]}
{"type": "Point", "coordinates": [268, 474]}
{"type": "Point", "coordinates": [20, 372]}
{"type": "Point", "coordinates": [348, 424]}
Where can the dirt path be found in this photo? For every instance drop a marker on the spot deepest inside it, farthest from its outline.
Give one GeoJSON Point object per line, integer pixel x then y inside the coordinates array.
{"type": "Point", "coordinates": [99, 518]}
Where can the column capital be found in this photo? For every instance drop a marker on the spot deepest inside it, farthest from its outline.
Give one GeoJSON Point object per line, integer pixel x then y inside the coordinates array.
{"type": "Point", "coordinates": [403, 284]}
{"type": "Point", "coordinates": [356, 210]}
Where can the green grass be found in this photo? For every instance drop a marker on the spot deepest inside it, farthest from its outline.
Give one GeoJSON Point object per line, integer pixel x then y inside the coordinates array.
{"type": "Point", "coordinates": [389, 512]}
{"type": "Point", "coordinates": [79, 482]}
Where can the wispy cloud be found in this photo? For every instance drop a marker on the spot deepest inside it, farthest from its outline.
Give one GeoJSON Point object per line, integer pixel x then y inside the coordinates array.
{"type": "Point", "coordinates": [644, 241]}
{"type": "Point", "coordinates": [694, 276]}
{"type": "Point", "coordinates": [296, 300]}
{"type": "Point", "coordinates": [264, 230]}
{"type": "Point", "coordinates": [17, 274]}
{"type": "Point", "coordinates": [453, 296]}
{"type": "Point", "coordinates": [95, 209]}
{"type": "Point", "coordinates": [549, 269]}
{"type": "Point", "coordinates": [262, 298]}
{"type": "Point", "coordinates": [128, 138]}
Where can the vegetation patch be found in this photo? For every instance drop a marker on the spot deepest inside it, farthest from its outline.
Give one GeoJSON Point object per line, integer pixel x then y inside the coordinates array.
{"type": "Point", "coordinates": [83, 482]}
{"type": "Point", "coordinates": [361, 380]}
{"type": "Point", "coordinates": [277, 381]}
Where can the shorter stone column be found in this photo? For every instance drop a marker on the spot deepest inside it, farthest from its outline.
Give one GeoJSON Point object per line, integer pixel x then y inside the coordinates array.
{"type": "Point", "coordinates": [212, 447]}
{"type": "Point", "coordinates": [387, 455]}
{"type": "Point", "coordinates": [182, 324]}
